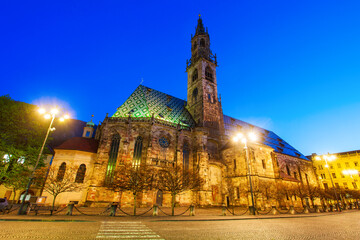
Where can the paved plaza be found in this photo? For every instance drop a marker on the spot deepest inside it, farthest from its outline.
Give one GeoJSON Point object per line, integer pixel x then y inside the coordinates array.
{"type": "Point", "coordinates": [345, 225]}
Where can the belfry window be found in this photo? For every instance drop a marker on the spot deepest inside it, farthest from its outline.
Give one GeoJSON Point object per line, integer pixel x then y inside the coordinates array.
{"type": "Point", "coordinates": [114, 149]}
{"type": "Point", "coordinates": [195, 75]}
{"type": "Point", "coordinates": [80, 175]}
{"type": "Point", "coordinates": [137, 151]}
{"type": "Point", "coordinates": [209, 74]}
{"type": "Point", "coordinates": [61, 172]}
{"type": "Point", "coordinates": [202, 43]}
{"type": "Point", "coordinates": [288, 170]}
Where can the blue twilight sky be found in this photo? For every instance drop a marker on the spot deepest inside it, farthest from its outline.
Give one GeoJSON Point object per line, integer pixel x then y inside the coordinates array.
{"type": "Point", "coordinates": [292, 67]}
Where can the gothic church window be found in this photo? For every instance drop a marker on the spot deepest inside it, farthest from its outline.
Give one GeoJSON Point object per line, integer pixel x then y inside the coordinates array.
{"type": "Point", "coordinates": [195, 75]}
{"type": "Point", "coordinates": [61, 172]}
{"type": "Point", "coordinates": [80, 175]}
{"type": "Point", "coordinates": [114, 148]}
{"type": "Point", "coordinates": [288, 170]}
{"type": "Point", "coordinates": [186, 154]}
{"type": "Point", "coordinates": [137, 151]}
{"type": "Point", "coordinates": [202, 43]}
{"type": "Point", "coordinates": [209, 74]}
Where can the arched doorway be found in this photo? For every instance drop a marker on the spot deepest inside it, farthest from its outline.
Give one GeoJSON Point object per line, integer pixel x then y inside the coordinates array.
{"type": "Point", "coordinates": [159, 198]}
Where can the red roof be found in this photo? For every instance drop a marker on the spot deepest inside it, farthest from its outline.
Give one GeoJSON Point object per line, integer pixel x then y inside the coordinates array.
{"type": "Point", "coordinates": [80, 144]}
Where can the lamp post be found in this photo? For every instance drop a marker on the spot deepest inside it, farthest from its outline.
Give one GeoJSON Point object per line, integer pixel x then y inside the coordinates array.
{"type": "Point", "coordinates": [51, 115]}
{"type": "Point", "coordinates": [327, 158]}
{"type": "Point", "coordinates": [244, 139]}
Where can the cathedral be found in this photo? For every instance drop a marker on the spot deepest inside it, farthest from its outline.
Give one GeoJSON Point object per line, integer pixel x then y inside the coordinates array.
{"type": "Point", "coordinates": [152, 128]}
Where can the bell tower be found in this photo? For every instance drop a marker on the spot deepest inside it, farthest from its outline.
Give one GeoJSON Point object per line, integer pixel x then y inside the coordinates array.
{"type": "Point", "coordinates": [202, 95]}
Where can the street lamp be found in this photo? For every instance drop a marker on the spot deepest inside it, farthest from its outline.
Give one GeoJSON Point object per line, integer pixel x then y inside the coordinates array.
{"type": "Point", "coordinates": [244, 139]}
{"type": "Point", "coordinates": [51, 115]}
{"type": "Point", "coordinates": [328, 158]}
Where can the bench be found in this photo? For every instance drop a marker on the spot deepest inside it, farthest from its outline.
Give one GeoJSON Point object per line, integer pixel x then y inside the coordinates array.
{"type": "Point", "coordinates": [40, 207]}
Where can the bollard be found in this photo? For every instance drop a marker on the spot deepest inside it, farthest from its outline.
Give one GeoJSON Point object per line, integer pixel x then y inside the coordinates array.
{"type": "Point", "coordinates": [113, 209]}
{"type": "Point", "coordinates": [274, 211]}
{"type": "Point", "coordinates": [223, 210]}
{"type": "Point", "coordinates": [306, 209]}
{"type": "Point", "coordinates": [70, 208]}
{"type": "Point", "coordinates": [317, 209]}
{"type": "Point", "coordinates": [192, 210]}
{"type": "Point", "coordinates": [292, 210]}
{"type": "Point", "coordinates": [155, 210]}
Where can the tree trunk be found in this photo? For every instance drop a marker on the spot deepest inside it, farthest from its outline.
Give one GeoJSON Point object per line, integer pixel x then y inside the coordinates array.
{"type": "Point", "coordinates": [53, 205]}
{"type": "Point", "coordinates": [14, 191]}
{"type": "Point", "coordinates": [135, 195]}
{"type": "Point", "coordinates": [172, 204]}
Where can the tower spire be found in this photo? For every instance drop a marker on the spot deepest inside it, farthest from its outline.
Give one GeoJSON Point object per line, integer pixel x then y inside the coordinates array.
{"type": "Point", "coordinates": [200, 29]}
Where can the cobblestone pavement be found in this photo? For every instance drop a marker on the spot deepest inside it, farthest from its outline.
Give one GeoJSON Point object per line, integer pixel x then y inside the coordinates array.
{"type": "Point", "coordinates": [344, 225]}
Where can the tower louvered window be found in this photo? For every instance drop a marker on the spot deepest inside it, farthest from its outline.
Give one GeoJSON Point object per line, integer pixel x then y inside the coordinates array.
{"type": "Point", "coordinates": [195, 75]}
{"type": "Point", "coordinates": [114, 149]}
{"type": "Point", "coordinates": [186, 154]}
{"type": "Point", "coordinates": [137, 151]}
{"type": "Point", "coordinates": [80, 175]}
{"type": "Point", "coordinates": [209, 74]}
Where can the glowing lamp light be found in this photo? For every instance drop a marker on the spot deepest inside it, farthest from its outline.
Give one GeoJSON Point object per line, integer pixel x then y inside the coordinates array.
{"type": "Point", "coordinates": [252, 136]}
{"type": "Point", "coordinates": [327, 166]}
{"type": "Point", "coordinates": [41, 111]}
{"type": "Point", "coordinates": [62, 119]}
{"type": "Point", "coordinates": [47, 116]}
{"type": "Point", "coordinates": [318, 158]}
{"type": "Point", "coordinates": [54, 111]}
{"type": "Point", "coordinates": [235, 139]}
{"type": "Point", "coordinates": [66, 116]}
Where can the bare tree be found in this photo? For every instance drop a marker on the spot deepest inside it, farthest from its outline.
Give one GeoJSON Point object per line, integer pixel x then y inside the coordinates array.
{"type": "Point", "coordinates": [57, 182]}
{"type": "Point", "coordinates": [133, 179]}
{"type": "Point", "coordinates": [177, 180]}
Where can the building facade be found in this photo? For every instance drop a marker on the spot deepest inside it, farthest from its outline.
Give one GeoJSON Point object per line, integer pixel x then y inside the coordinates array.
{"type": "Point", "coordinates": [344, 169]}
{"type": "Point", "coordinates": [158, 130]}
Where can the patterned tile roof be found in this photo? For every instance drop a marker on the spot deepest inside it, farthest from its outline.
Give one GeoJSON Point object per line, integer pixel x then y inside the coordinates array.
{"type": "Point", "coordinates": [267, 137]}
{"type": "Point", "coordinates": [145, 102]}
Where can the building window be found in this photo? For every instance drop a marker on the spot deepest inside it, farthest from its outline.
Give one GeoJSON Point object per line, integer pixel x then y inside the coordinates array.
{"type": "Point", "coordinates": [195, 75]}
{"type": "Point", "coordinates": [164, 142]}
{"type": "Point", "coordinates": [238, 192]}
{"type": "Point", "coordinates": [333, 175]}
{"type": "Point", "coordinates": [345, 185]}
{"type": "Point", "coordinates": [234, 164]}
{"type": "Point", "coordinates": [202, 42]}
{"type": "Point", "coordinates": [295, 175]}
{"type": "Point", "coordinates": [321, 167]}
{"type": "Point", "coordinates": [339, 165]}
{"type": "Point", "coordinates": [61, 172]}
{"type": "Point", "coordinates": [209, 74]}
{"type": "Point", "coordinates": [114, 149]}
{"type": "Point", "coordinates": [347, 164]}
{"type": "Point", "coordinates": [186, 154]}
{"type": "Point", "coordinates": [194, 94]}
{"type": "Point", "coordinates": [323, 176]}
{"type": "Point", "coordinates": [137, 151]}
{"type": "Point", "coordinates": [326, 186]}
{"type": "Point", "coordinates": [80, 175]}
{"type": "Point", "coordinates": [337, 185]}
{"type": "Point", "coordinates": [342, 175]}
{"type": "Point", "coordinates": [288, 170]}
{"type": "Point", "coordinates": [354, 185]}
{"type": "Point", "coordinates": [331, 166]}
{"type": "Point", "coordinates": [263, 164]}
{"type": "Point", "coordinates": [356, 164]}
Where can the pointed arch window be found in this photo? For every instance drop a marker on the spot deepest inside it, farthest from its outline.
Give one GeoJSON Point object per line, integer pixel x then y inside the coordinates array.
{"type": "Point", "coordinates": [137, 151]}
{"type": "Point", "coordinates": [202, 43]}
{"type": "Point", "coordinates": [288, 170]}
{"type": "Point", "coordinates": [61, 172]}
{"type": "Point", "coordinates": [195, 94]}
{"type": "Point", "coordinates": [195, 75]}
{"type": "Point", "coordinates": [114, 149]}
{"type": "Point", "coordinates": [186, 154]}
{"type": "Point", "coordinates": [80, 174]}
{"type": "Point", "coordinates": [209, 74]}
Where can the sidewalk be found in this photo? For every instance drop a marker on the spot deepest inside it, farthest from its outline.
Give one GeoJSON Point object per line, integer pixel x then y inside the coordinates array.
{"type": "Point", "coordinates": [201, 214]}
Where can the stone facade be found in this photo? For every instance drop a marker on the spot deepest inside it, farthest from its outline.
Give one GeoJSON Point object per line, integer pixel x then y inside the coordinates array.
{"type": "Point", "coordinates": [158, 130]}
